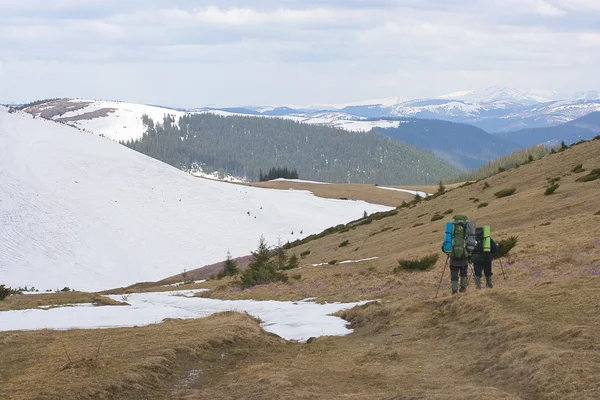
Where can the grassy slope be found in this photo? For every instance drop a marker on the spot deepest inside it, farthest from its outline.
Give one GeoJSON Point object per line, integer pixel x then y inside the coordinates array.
{"type": "Point", "coordinates": [24, 302]}
{"type": "Point", "coordinates": [535, 335]}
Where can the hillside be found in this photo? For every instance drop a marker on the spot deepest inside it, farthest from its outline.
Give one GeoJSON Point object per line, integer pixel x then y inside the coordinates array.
{"type": "Point", "coordinates": [243, 146]}
{"type": "Point", "coordinates": [82, 211]}
{"type": "Point", "coordinates": [537, 328]}
{"type": "Point", "coordinates": [122, 121]}
{"type": "Point", "coordinates": [533, 336]}
{"type": "Point", "coordinates": [116, 120]}
{"type": "Point", "coordinates": [584, 128]}
{"type": "Point", "coordinates": [464, 146]}
{"type": "Point", "coordinates": [506, 111]}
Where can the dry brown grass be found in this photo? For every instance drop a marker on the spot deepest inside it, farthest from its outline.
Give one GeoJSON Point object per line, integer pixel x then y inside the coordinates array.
{"type": "Point", "coordinates": [534, 336]}
{"type": "Point", "coordinates": [537, 342]}
{"type": "Point", "coordinates": [368, 193]}
{"type": "Point", "coordinates": [27, 301]}
{"type": "Point", "coordinates": [131, 363]}
{"type": "Point", "coordinates": [568, 247]}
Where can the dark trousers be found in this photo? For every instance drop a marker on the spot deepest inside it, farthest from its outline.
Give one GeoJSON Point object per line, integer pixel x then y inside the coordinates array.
{"type": "Point", "coordinates": [486, 267]}
{"type": "Point", "coordinates": [456, 271]}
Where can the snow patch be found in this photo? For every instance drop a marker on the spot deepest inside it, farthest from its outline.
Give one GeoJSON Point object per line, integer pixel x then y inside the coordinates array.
{"type": "Point", "coordinates": [357, 261]}
{"type": "Point", "coordinates": [290, 320]}
{"type": "Point", "coordinates": [347, 261]}
{"type": "Point", "coordinates": [184, 283]}
{"type": "Point", "coordinates": [415, 192]}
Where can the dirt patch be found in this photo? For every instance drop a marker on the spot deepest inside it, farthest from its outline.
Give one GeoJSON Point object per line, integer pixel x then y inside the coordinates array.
{"type": "Point", "coordinates": [103, 112]}
{"type": "Point", "coordinates": [205, 272]}
{"type": "Point", "coordinates": [368, 193]}
{"type": "Point", "coordinates": [56, 108]}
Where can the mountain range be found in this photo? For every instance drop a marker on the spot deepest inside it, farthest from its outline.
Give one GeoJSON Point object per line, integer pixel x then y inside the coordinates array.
{"type": "Point", "coordinates": [462, 145]}
{"type": "Point", "coordinates": [496, 109]}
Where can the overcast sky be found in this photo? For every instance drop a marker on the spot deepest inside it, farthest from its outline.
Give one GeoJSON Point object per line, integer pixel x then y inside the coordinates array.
{"type": "Point", "coordinates": [231, 52]}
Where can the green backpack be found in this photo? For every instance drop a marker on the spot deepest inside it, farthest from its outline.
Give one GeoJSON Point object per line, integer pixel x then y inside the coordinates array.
{"type": "Point", "coordinates": [463, 238]}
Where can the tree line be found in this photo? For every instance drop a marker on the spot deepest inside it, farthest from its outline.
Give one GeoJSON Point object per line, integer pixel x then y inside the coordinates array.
{"type": "Point", "coordinates": [242, 146]}
{"type": "Point", "coordinates": [275, 173]}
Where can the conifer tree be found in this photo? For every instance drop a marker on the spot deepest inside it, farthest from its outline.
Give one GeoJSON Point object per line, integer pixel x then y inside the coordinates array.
{"type": "Point", "coordinates": [261, 268]}
{"type": "Point", "coordinates": [293, 262]}
{"type": "Point", "coordinates": [229, 267]}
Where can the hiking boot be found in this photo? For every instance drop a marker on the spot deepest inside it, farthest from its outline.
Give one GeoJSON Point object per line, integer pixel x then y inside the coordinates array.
{"type": "Point", "coordinates": [488, 282]}
{"type": "Point", "coordinates": [464, 282]}
{"type": "Point", "coordinates": [454, 292]}
{"type": "Point", "coordinates": [454, 287]}
{"type": "Point", "coordinates": [477, 282]}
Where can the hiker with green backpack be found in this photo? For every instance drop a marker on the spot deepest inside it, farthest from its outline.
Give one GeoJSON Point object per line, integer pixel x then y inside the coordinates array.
{"type": "Point", "coordinates": [482, 256]}
{"type": "Point", "coordinates": [459, 244]}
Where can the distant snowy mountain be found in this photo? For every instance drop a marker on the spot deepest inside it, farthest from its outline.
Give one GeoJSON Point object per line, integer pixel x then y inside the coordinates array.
{"type": "Point", "coordinates": [504, 94]}
{"type": "Point", "coordinates": [82, 211]}
{"type": "Point", "coordinates": [495, 109]}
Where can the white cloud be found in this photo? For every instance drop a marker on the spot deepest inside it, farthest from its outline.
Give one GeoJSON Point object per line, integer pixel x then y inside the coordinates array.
{"type": "Point", "coordinates": [310, 51]}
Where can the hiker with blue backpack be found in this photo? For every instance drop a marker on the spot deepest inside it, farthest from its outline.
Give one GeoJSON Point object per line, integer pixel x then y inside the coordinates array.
{"type": "Point", "coordinates": [459, 244]}
{"type": "Point", "coordinates": [482, 256]}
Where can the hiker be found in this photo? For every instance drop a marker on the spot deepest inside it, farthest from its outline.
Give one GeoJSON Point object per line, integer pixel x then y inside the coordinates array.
{"type": "Point", "coordinates": [482, 256]}
{"type": "Point", "coordinates": [458, 245]}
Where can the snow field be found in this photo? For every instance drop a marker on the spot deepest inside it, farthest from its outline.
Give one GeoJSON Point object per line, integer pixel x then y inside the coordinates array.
{"type": "Point", "coordinates": [82, 211]}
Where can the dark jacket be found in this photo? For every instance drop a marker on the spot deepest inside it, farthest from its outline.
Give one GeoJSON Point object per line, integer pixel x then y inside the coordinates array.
{"type": "Point", "coordinates": [487, 257]}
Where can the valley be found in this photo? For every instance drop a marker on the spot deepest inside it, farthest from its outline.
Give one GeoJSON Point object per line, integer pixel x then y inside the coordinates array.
{"type": "Point", "coordinates": [534, 335]}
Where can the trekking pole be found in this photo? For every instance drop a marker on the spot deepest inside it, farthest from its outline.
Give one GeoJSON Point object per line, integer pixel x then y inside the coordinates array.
{"type": "Point", "coordinates": [442, 277]}
{"type": "Point", "coordinates": [472, 273]}
{"type": "Point", "coordinates": [502, 268]}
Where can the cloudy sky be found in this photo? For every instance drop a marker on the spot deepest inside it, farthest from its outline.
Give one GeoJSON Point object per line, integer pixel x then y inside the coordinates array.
{"type": "Point", "coordinates": [232, 52]}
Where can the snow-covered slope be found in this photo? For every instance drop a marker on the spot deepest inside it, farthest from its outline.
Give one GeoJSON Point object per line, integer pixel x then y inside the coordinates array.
{"type": "Point", "coordinates": [114, 119]}
{"type": "Point", "coordinates": [83, 211]}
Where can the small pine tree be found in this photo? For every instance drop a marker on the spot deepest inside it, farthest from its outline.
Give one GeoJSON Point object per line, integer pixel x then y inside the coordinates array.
{"type": "Point", "coordinates": [261, 269]}
{"type": "Point", "coordinates": [292, 263]}
{"type": "Point", "coordinates": [229, 267]}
